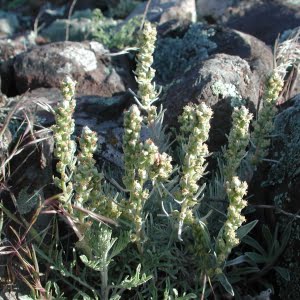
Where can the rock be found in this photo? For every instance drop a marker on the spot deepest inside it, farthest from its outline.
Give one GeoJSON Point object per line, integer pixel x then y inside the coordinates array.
{"type": "Point", "coordinates": [3, 97]}
{"type": "Point", "coordinates": [90, 110]}
{"type": "Point", "coordinates": [220, 82]}
{"type": "Point", "coordinates": [174, 55]}
{"type": "Point", "coordinates": [33, 166]}
{"type": "Point", "coordinates": [254, 51]}
{"type": "Point", "coordinates": [110, 137]}
{"type": "Point", "coordinates": [101, 114]}
{"type": "Point", "coordinates": [86, 62]}
{"type": "Point", "coordinates": [264, 19]}
{"type": "Point", "coordinates": [80, 28]}
{"type": "Point", "coordinates": [282, 188]}
{"type": "Point", "coordinates": [10, 48]}
{"type": "Point", "coordinates": [9, 23]}
{"type": "Point", "coordinates": [212, 8]}
{"type": "Point", "coordinates": [284, 175]}
{"type": "Point", "coordinates": [163, 11]}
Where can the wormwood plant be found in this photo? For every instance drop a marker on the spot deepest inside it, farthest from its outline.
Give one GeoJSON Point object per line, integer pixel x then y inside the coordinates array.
{"type": "Point", "coordinates": [151, 255]}
{"type": "Point", "coordinates": [115, 34]}
{"type": "Point", "coordinates": [286, 55]}
{"type": "Point", "coordinates": [80, 183]}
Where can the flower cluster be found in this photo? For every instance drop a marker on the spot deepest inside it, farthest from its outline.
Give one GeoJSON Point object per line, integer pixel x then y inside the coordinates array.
{"type": "Point", "coordinates": [195, 123]}
{"type": "Point", "coordinates": [236, 190]}
{"type": "Point", "coordinates": [85, 169]}
{"type": "Point", "coordinates": [147, 93]}
{"type": "Point", "coordinates": [65, 147]}
{"type": "Point", "coordinates": [99, 201]}
{"type": "Point", "coordinates": [144, 73]}
{"type": "Point", "coordinates": [238, 140]}
{"type": "Point", "coordinates": [154, 165]}
{"type": "Point", "coordinates": [263, 126]}
{"type": "Point", "coordinates": [131, 143]}
{"type": "Point", "coordinates": [142, 162]}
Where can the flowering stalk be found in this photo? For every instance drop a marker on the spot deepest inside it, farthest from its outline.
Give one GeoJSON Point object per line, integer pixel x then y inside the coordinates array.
{"type": "Point", "coordinates": [143, 162]}
{"type": "Point", "coordinates": [194, 124]}
{"type": "Point", "coordinates": [145, 73]}
{"type": "Point", "coordinates": [263, 126]}
{"type": "Point", "coordinates": [99, 201]}
{"type": "Point", "coordinates": [236, 190]}
{"type": "Point", "coordinates": [238, 140]}
{"type": "Point", "coordinates": [131, 143]}
{"type": "Point", "coordinates": [65, 147]}
{"type": "Point", "coordinates": [85, 168]}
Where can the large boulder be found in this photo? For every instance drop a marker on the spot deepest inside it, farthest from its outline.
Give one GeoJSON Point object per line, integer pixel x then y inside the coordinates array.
{"type": "Point", "coordinates": [87, 62]}
{"type": "Point", "coordinates": [264, 19]}
{"type": "Point", "coordinates": [222, 82]}
{"type": "Point", "coordinates": [258, 55]}
{"type": "Point", "coordinates": [174, 55]}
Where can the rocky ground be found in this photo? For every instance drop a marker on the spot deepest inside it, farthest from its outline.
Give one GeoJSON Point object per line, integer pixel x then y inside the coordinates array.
{"type": "Point", "coordinates": [208, 51]}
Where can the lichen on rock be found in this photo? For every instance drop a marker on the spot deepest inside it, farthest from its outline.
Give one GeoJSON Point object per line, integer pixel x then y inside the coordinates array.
{"type": "Point", "coordinates": [175, 55]}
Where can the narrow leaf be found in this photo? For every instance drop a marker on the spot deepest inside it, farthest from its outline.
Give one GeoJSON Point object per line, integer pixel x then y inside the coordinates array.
{"type": "Point", "coordinates": [244, 230]}
{"type": "Point", "coordinates": [256, 257]}
{"type": "Point", "coordinates": [254, 244]}
{"type": "Point", "coordinates": [225, 283]}
{"type": "Point", "coordinates": [283, 272]}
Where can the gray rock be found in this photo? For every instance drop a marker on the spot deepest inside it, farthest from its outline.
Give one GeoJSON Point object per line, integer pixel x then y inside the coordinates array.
{"type": "Point", "coordinates": [286, 151]}
{"type": "Point", "coordinates": [254, 51]}
{"type": "Point", "coordinates": [221, 82]}
{"type": "Point", "coordinates": [80, 28]}
{"type": "Point", "coordinates": [103, 115]}
{"type": "Point", "coordinates": [9, 23]}
{"type": "Point", "coordinates": [212, 8]}
{"type": "Point", "coordinates": [264, 19]}
{"type": "Point", "coordinates": [10, 48]}
{"type": "Point", "coordinates": [163, 11]}
{"type": "Point", "coordinates": [90, 110]}
{"type": "Point", "coordinates": [87, 62]}
{"type": "Point", "coordinates": [174, 55]}
{"type": "Point", "coordinates": [282, 189]}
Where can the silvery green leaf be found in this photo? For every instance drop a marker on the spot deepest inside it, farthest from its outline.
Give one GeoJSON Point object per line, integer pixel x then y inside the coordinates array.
{"type": "Point", "coordinates": [258, 258]}
{"type": "Point", "coordinates": [254, 244]}
{"type": "Point", "coordinates": [225, 283]}
{"type": "Point", "coordinates": [25, 297]}
{"type": "Point", "coordinates": [245, 229]}
{"type": "Point", "coordinates": [286, 236]}
{"type": "Point", "coordinates": [96, 265]}
{"type": "Point", "coordinates": [243, 271]}
{"type": "Point", "coordinates": [26, 202]}
{"type": "Point", "coordinates": [283, 272]}
{"type": "Point", "coordinates": [268, 237]}
{"type": "Point", "coordinates": [115, 297]}
{"type": "Point", "coordinates": [134, 281]}
{"type": "Point", "coordinates": [121, 244]}
{"type": "Point", "coordinates": [238, 260]}
{"type": "Point", "coordinates": [81, 295]}
{"type": "Point", "coordinates": [187, 297]}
